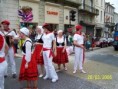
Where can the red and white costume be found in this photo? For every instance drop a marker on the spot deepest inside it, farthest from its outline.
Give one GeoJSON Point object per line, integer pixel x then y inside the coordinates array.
{"type": "Point", "coordinates": [47, 55]}
{"type": "Point", "coordinates": [61, 57]}
{"type": "Point", "coordinates": [79, 52]}
{"type": "Point", "coordinates": [10, 56]}
{"type": "Point", "coordinates": [3, 63]}
{"type": "Point", "coordinates": [30, 73]}
{"type": "Point", "coordinates": [38, 49]}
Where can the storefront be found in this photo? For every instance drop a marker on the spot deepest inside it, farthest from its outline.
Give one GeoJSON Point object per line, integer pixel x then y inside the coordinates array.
{"type": "Point", "coordinates": [52, 15]}
{"type": "Point", "coordinates": [99, 31]}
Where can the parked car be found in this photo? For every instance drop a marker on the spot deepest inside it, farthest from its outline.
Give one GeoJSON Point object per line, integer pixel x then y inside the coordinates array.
{"type": "Point", "coordinates": [110, 41]}
{"type": "Point", "coordinates": [102, 42]}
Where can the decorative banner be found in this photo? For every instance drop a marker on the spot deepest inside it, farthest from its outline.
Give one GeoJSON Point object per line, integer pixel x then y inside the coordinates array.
{"type": "Point", "coordinates": [25, 13]}
{"type": "Point", "coordinates": [107, 18]}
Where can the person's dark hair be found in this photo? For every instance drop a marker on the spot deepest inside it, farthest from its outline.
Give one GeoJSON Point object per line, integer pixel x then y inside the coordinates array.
{"type": "Point", "coordinates": [15, 31]}
{"type": "Point", "coordinates": [48, 27]}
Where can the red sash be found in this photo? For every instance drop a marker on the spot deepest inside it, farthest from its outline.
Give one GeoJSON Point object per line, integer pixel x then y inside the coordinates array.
{"type": "Point", "coordinates": [51, 53]}
{"type": "Point", "coordinates": [2, 59]}
{"type": "Point", "coordinates": [1, 41]}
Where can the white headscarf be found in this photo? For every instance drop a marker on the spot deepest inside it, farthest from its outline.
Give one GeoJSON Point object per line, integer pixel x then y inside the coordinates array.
{"type": "Point", "coordinates": [59, 31]}
{"type": "Point", "coordinates": [41, 28]}
{"type": "Point", "coordinates": [25, 31]}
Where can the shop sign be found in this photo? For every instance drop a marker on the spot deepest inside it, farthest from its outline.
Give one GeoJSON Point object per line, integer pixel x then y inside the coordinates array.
{"type": "Point", "coordinates": [52, 13]}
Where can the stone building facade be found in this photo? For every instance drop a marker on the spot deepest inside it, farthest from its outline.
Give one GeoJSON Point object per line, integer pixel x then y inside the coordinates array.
{"type": "Point", "coordinates": [8, 11]}
{"type": "Point", "coordinates": [44, 12]}
{"type": "Point", "coordinates": [99, 19]}
{"type": "Point", "coordinates": [109, 19]}
{"type": "Point", "coordinates": [87, 13]}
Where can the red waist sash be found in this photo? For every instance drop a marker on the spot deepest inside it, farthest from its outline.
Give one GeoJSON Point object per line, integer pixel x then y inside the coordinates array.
{"type": "Point", "coordinates": [51, 53]}
{"type": "Point", "coordinates": [2, 59]}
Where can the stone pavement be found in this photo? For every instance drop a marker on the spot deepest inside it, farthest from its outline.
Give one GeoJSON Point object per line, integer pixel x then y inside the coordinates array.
{"type": "Point", "coordinates": [98, 62]}
{"type": "Point", "coordinates": [66, 81]}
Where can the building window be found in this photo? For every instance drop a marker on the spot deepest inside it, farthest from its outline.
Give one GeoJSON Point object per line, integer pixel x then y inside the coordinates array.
{"type": "Point", "coordinates": [101, 2]}
{"type": "Point", "coordinates": [96, 2]}
{"type": "Point", "coordinates": [101, 15]}
{"type": "Point", "coordinates": [106, 8]}
{"type": "Point", "coordinates": [111, 19]}
{"type": "Point", "coordinates": [109, 9]}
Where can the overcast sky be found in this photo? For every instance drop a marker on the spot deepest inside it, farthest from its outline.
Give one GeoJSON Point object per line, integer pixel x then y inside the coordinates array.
{"type": "Point", "coordinates": [115, 2]}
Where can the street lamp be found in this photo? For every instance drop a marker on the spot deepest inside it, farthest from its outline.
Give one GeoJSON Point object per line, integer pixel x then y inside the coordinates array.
{"type": "Point", "coordinates": [72, 15]}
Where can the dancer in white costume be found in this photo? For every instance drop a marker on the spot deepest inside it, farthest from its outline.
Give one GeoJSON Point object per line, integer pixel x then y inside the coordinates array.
{"type": "Point", "coordinates": [3, 63]}
{"type": "Point", "coordinates": [9, 35]}
{"type": "Point", "coordinates": [48, 41]}
{"type": "Point", "coordinates": [79, 49]}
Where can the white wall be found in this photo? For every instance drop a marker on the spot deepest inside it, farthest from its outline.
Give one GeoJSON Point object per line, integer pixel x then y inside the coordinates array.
{"type": "Point", "coordinates": [9, 11]}
{"type": "Point", "coordinates": [115, 17]}
{"type": "Point", "coordinates": [52, 18]}
{"type": "Point", "coordinates": [100, 5]}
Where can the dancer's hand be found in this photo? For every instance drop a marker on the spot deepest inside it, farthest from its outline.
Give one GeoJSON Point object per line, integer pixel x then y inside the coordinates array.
{"type": "Point", "coordinates": [26, 65]}
{"type": "Point", "coordinates": [55, 53]}
{"type": "Point", "coordinates": [41, 53]}
{"type": "Point", "coordinates": [63, 50]}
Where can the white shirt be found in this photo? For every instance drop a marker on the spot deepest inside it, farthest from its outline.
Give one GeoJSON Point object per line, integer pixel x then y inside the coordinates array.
{"type": "Point", "coordinates": [2, 53]}
{"type": "Point", "coordinates": [47, 40]}
{"type": "Point", "coordinates": [28, 50]}
{"type": "Point", "coordinates": [10, 33]}
{"type": "Point", "coordinates": [79, 39]}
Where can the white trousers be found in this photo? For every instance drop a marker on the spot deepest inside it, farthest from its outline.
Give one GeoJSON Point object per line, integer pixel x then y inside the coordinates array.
{"type": "Point", "coordinates": [49, 67]}
{"type": "Point", "coordinates": [11, 61]}
{"type": "Point", "coordinates": [3, 67]}
{"type": "Point", "coordinates": [78, 61]}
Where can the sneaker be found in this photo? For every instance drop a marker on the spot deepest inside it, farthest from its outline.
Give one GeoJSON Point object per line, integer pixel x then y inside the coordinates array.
{"type": "Point", "coordinates": [74, 71]}
{"type": "Point", "coordinates": [82, 71]}
{"type": "Point", "coordinates": [41, 75]}
{"type": "Point", "coordinates": [58, 70]}
{"type": "Point", "coordinates": [46, 77]}
{"type": "Point", "coordinates": [14, 76]}
{"type": "Point", "coordinates": [54, 80]}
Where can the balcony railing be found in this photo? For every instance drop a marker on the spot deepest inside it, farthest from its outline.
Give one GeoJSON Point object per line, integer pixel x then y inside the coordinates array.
{"type": "Point", "coordinates": [65, 2]}
{"type": "Point", "coordinates": [109, 24]}
{"type": "Point", "coordinates": [89, 9]}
